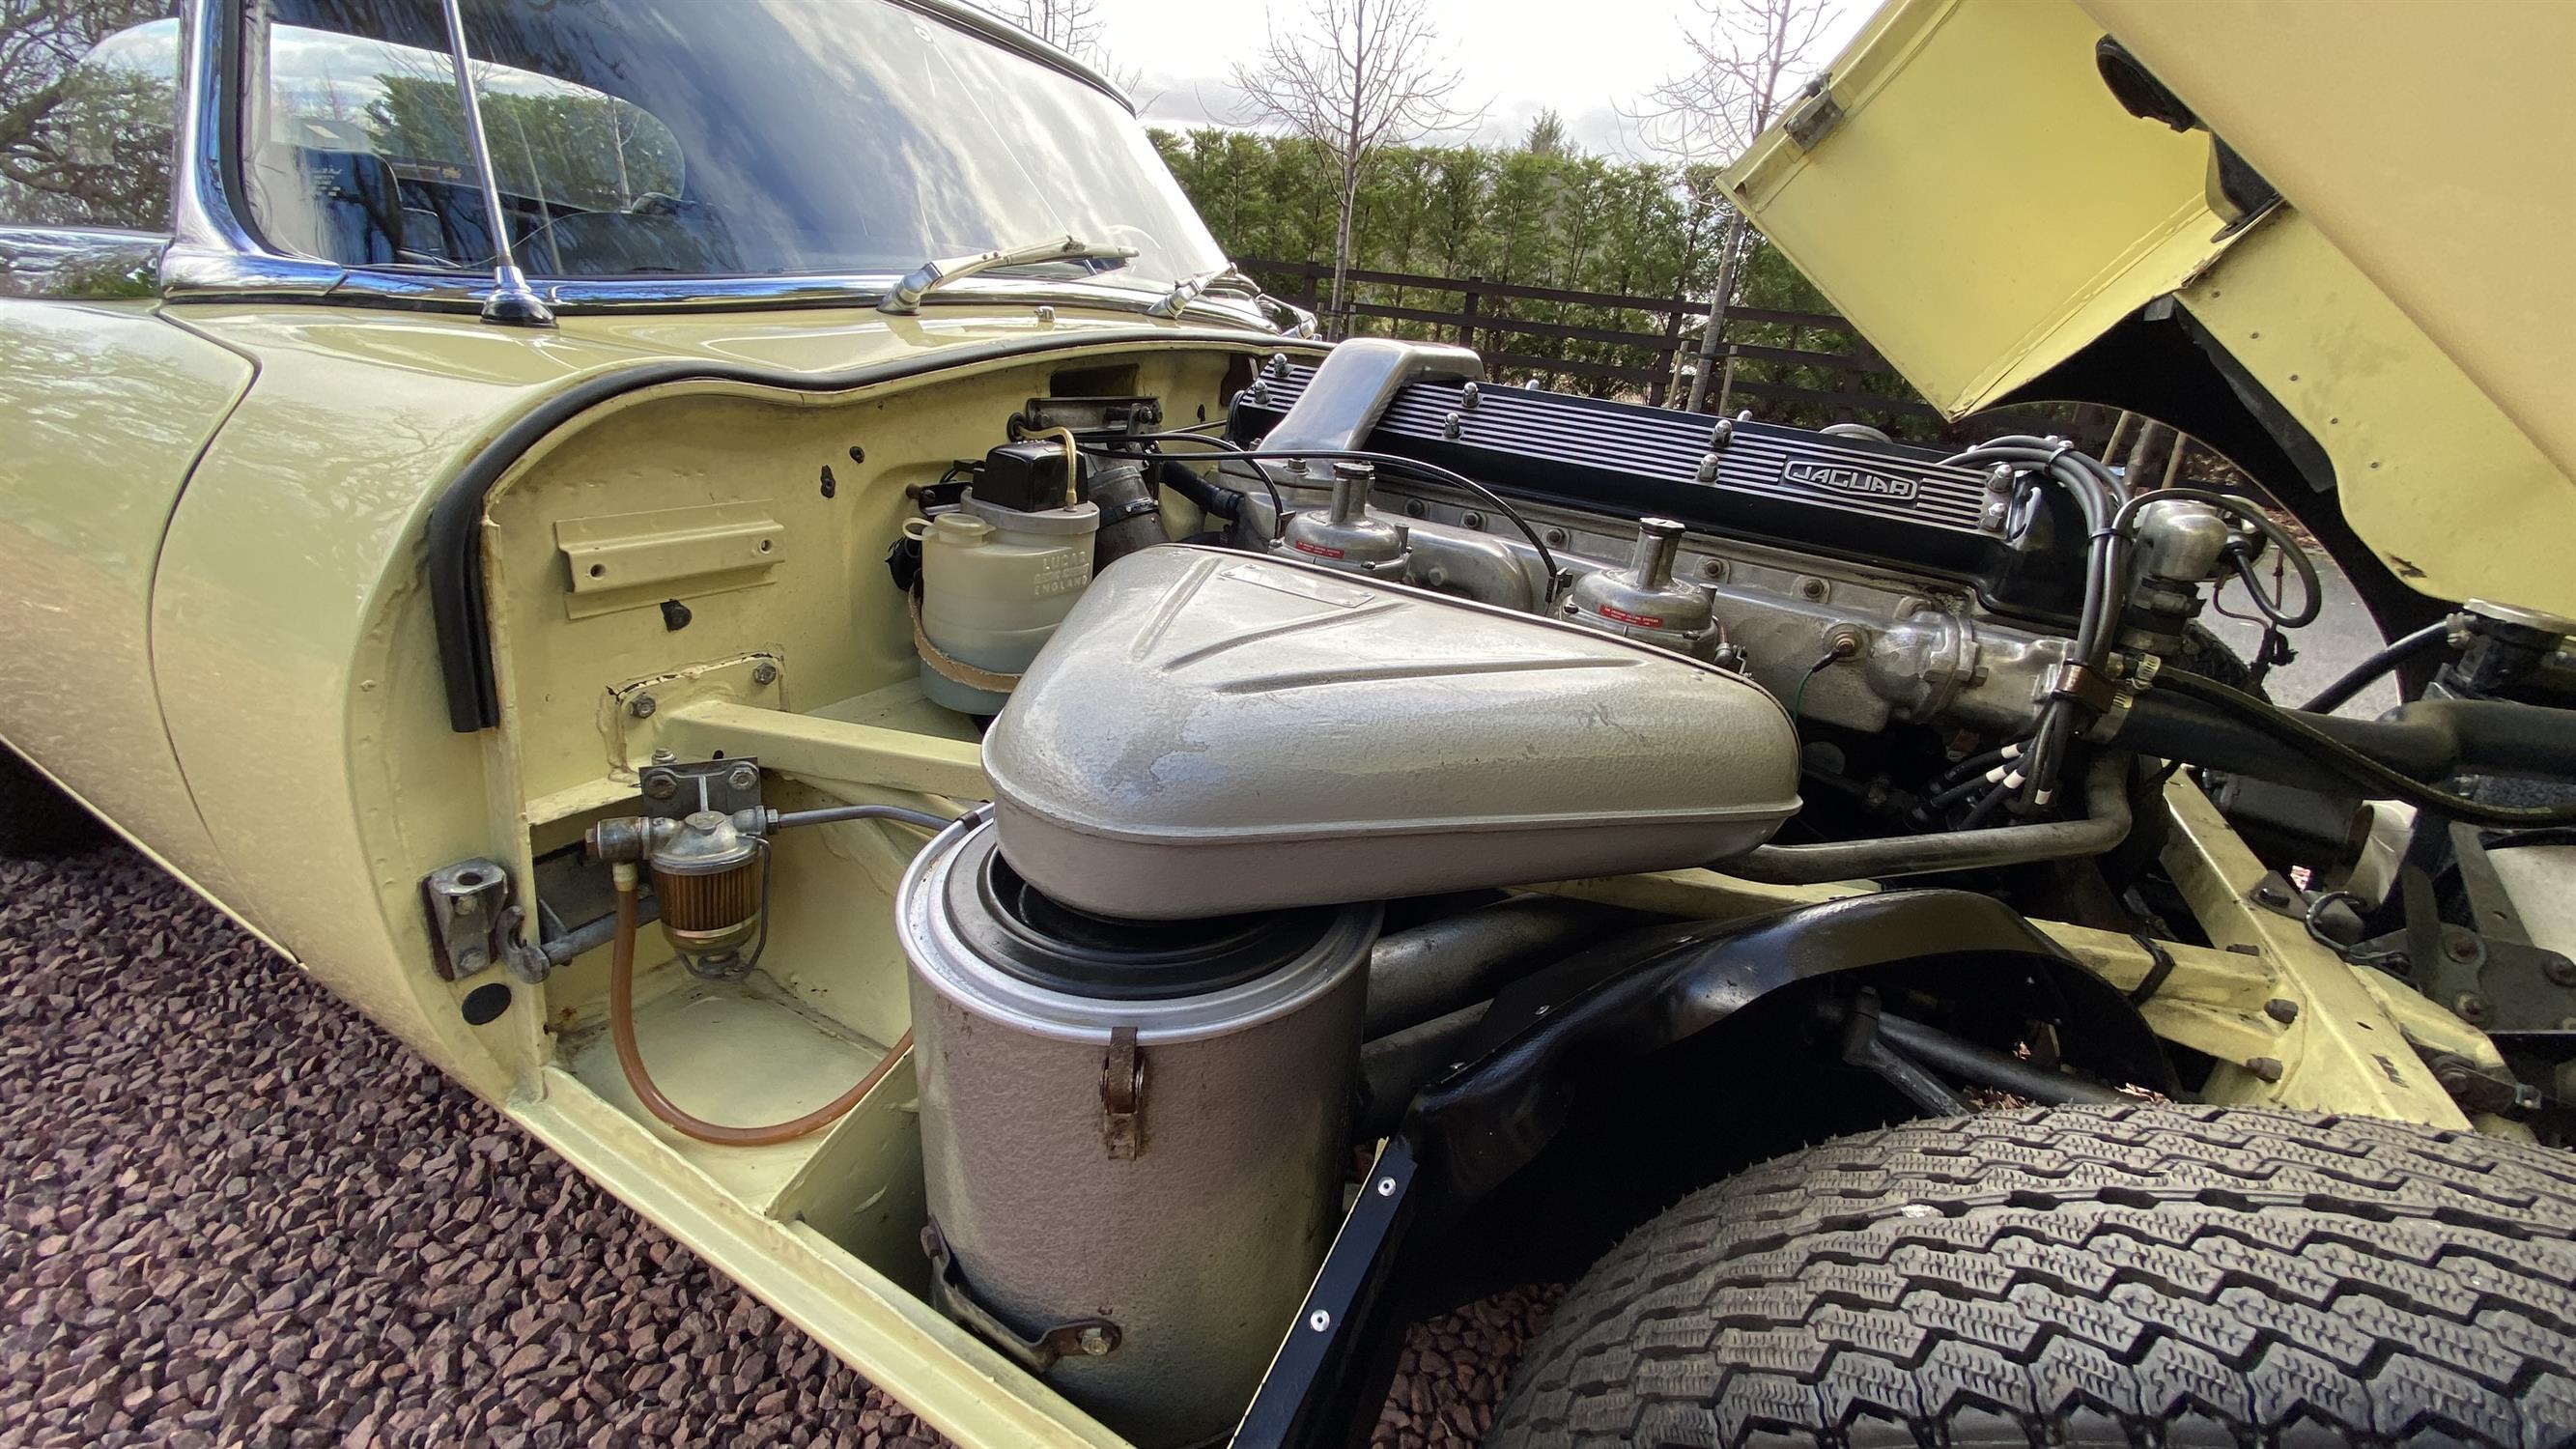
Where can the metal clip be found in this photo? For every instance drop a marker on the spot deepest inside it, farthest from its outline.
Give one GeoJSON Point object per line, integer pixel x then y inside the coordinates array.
{"type": "Point", "coordinates": [2084, 686]}
{"type": "Point", "coordinates": [1122, 1094]}
{"type": "Point", "coordinates": [1075, 1338]}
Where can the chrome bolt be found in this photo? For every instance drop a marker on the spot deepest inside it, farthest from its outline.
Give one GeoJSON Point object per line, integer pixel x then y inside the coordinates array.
{"type": "Point", "coordinates": [1386, 1187]}
{"type": "Point", "coordinates": [2281, 1009]}
{"type": "Point", "coordinates": [642, 706]}
{"type": "Point", "coordinates": [743, 777]}
{"type": "Point", "coordinates": [1319, 1320]}
{"type": "Point", "coordinates": [1046, 316]}
{"type": "Point", "coordinates": [764, 674]}
{"type": "Point", "coordinates": [1095, 1342]}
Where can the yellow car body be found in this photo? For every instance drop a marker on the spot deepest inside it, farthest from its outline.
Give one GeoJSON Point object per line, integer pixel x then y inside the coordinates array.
{"type": "Point", "coordinates": [233, 516]}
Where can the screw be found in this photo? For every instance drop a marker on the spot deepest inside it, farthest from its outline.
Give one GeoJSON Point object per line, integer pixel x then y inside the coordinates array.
{"type": "Point", "coordinates": [2281, 1009]}
{"type": "Point", "coordinates": [1095, 1342]}
{"type": "Point", "coordinates": [2460, 946]}
{"type": "Point", "coordinates": [664, 757]}
{"type": "Point", "coordinates": [1319, 1320]}
{"type": "Point", "coordinates": [642, 706]}
{"type": "Point", "coordinates": [1712, 568]}
{"type": "Point", "coordinates": [764, 674]}
{"type": "Point", "coordinates": [1386, 1187]}
{"type": "Point", "coordinates": [659, 785]}
{"type": "Point", "coordinates": [743, 777]}
{"type": "Point", "coordinates": [2560, 971]}
{"type": "Point", "coordinates": [1555, 537]}
{"type": "Point", "coordinates": [1812, 590]}
{"type": "Point", "coordinates": [1472, 519]}
{"type": "Point", "coordinates": [2470, 1007]}
{"type": "Point", "coordinates": [2267, 1068]}
{"type": "Point", "coordinates": [1046, 316]}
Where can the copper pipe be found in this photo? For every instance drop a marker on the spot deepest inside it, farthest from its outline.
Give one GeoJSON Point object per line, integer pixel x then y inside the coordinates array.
{"type": "Point", "coordinates": [630, 1058]}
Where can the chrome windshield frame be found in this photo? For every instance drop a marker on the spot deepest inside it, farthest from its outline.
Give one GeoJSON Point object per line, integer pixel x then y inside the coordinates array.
{"type": "Point", "coordinates": [215, 256]}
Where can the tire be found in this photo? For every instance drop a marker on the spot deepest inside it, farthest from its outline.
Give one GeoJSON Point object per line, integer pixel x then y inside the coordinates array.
{"type": "Point", "coordinates": [2161, 1275]}
{"type": "Point", "coordinates": [36, 817]}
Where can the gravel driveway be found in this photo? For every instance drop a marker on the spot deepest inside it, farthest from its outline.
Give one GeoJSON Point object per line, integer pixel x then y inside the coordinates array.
{"type": "Point", "coordinates": [236, 1212]}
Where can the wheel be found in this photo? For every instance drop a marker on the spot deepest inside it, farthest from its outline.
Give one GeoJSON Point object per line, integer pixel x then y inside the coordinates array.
{"type": "Point", "coordinates": [2159, 1275]}
{"type": "Point", "coordinates": [36, 817]}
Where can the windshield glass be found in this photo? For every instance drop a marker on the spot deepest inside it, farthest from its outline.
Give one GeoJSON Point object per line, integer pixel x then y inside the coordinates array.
{"type": "Point", "coordinates": [692, 138]}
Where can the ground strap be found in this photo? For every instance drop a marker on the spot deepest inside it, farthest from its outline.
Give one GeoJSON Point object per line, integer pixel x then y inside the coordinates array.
{"type": "Point", "coordinates": [949, 667]}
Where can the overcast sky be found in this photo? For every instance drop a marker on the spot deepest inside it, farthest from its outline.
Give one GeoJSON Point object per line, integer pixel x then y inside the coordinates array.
{"type": "Point", "coordinates": [1517, 56]}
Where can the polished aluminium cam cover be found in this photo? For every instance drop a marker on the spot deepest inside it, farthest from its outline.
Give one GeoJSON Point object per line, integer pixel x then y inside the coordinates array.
{"type": "Point", "coordinates": [1212, 732]}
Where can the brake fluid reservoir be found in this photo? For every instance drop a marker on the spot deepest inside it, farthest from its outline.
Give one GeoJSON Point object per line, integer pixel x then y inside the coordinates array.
{"type": "Point", "coordinates": [995, 582]}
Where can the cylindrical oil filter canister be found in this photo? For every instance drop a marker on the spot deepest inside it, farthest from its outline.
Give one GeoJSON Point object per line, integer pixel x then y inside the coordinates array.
{"type": "Point", "coordinates": [1134, 1133]}
{"type": "Point", "coordinates": [995, 582]}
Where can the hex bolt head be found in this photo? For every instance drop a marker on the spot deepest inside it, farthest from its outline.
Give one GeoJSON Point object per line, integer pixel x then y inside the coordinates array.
{"type": "Point", "coordinates": [743, 777]}
{"type": "Point", "coordinates": [1812, 589]}
{"type": "Point", "coordinates": [642, 706]}
{"type": "Point", "coordinates": [2281, 1009]}
{"type": "Point", "coordinates": [764, 674]}
{"type": "Point", "coordinates": [2267, 1068]}
{"type": "Point", "coordinates": [1095, 1342]}
{"type": "Point", "coordinates": [2470, 1007]}
{"type": "Point", "coordinates": [659, 786]}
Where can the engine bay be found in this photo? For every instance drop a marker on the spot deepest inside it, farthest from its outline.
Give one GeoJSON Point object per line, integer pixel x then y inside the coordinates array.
{"type": "Point", "coordinates": [1383, 767]}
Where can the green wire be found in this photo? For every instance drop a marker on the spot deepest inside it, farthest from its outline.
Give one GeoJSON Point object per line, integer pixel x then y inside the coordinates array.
{"type": "Point", "coordinates": [1798, 696]}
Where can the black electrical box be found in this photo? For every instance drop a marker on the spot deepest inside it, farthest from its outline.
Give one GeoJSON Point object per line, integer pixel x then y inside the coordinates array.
{"type": "Point", "coordinates": [1027, 476]}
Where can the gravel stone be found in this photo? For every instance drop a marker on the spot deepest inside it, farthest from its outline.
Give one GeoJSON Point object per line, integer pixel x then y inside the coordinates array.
{"type": "Point", "coordinates": [233, 1211]}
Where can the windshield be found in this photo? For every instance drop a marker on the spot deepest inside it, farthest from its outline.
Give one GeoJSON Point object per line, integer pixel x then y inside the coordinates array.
{"type": "Point", "coordinates": [691, 138]}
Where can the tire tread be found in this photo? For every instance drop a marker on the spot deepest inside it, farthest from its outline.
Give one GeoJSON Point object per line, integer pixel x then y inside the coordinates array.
{"type": "Point", "coordinates": [2161, 1274]}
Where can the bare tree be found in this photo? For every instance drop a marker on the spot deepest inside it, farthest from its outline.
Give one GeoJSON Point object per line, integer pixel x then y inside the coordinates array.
{"type": "Point", "coordinates": [1747, 59]}
{"type": "Point", "coordinates": [1072, 26]}
{"type": "Point", "coordinates": [1360, 75]}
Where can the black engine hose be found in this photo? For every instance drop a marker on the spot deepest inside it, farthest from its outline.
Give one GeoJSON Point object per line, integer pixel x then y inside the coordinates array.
{"type": "Point", "coordinates": [1213, 499]}
{"type": "Point", "coordinates": [1394, 461]}
{"type": "Point", "coordinates": [2387, 759]}
{"type": "Point", "coordinates": [2334, 696]}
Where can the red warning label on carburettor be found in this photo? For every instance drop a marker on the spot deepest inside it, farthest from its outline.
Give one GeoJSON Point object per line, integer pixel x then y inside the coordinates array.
{"type": "Point", "coordinates": [1317, 549]}
{"type": "Point", "coordinates": [1622, 616]}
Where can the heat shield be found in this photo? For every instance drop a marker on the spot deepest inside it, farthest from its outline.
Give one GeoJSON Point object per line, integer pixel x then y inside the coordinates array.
{"type": "Point", "coordinates": [1213, 732]}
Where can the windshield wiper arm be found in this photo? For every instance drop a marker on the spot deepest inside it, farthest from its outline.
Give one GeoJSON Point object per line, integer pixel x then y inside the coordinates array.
{"type": "Point", "coordinates": [1190, 289]}
{"type": "Point", "coordinates": [932, 275]}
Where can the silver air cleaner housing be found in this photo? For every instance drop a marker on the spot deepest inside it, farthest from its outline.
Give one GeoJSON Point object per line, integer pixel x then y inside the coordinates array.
{"type": "Point", "coordinates": [1132, 1132]}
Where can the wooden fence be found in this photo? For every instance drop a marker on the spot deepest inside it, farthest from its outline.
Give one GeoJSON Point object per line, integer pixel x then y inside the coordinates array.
{"type": "Point", "coordinates": [1619, 344]}
{"type": "Point", "coordinates": [1805, 368]}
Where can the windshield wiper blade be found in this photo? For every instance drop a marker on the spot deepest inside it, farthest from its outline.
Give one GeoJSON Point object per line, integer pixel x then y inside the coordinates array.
{"type": "Point", "coordinates": [932, 275]}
